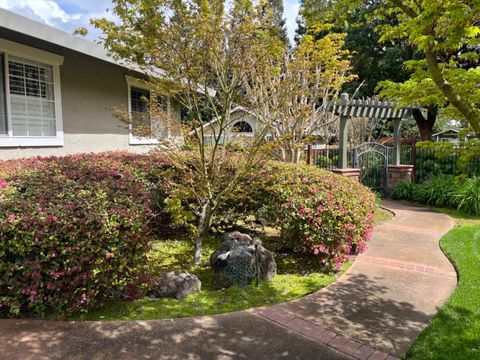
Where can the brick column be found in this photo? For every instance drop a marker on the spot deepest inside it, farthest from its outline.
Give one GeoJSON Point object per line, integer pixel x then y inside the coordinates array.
{"type": "Point", "coordinates": [398, 174]}
{"type": "Point", "coordinates": [349, 173]}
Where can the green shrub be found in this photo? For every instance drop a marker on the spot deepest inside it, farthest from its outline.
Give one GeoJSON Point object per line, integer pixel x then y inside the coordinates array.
{"type": "Point", "coordinates": [74, 231]}
{"type": "Point", "coordinates": [439, 191]}
{"type": "Point", "coordinates": [468, 196]}
{"type": "Point", "coordinates": [404, 191]}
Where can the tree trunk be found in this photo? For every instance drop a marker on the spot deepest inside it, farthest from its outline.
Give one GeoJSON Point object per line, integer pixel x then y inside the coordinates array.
{"type": "Point", "coordinates": [461, 104]}
{"type": "Point", "coordinates": [291, 154]}
{"type": "Point", "coordinates": [202, 229]}
{"type": "Point", "coordinates": [425, 125]}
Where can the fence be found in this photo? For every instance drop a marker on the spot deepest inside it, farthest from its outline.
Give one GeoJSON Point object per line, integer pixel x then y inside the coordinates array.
{"type": "Point", "coordinates": [427, 162]}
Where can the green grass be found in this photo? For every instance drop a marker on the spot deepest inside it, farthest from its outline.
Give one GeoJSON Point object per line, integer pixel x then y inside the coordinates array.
{"type": "Point", "coordinates": [296, 278]}
{"type": "Point", "coordinates": [454, 333]}
{"type": "Point", "coordinates": [382, 215]}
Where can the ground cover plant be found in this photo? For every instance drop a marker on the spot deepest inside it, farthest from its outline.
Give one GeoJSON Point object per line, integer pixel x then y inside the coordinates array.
{"type": "Point", "coordinates": [76, 231]}
{"type": "Point", "coordinates": [454, 332]}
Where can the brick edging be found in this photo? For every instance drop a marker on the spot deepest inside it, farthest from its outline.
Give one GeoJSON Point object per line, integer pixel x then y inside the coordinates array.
{"type": "Point", "coordinates": [322, 335]}
{"type": "Point", "coordinates": [405, 265]}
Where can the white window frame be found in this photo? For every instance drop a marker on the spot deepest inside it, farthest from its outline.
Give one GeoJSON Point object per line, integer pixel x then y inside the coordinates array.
{"type": "Point", "coordinates": [10, 48]}
{"type": "Point", "coordinates": [140, 140]}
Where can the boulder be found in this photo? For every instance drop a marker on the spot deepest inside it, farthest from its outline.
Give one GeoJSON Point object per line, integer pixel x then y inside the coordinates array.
{"type": "Point", "coordinates": [175, 284]}
{"type": "Point", "coordinates": [234, 263]}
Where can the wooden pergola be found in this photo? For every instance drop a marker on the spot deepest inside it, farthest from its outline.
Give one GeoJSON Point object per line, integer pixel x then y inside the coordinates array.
{"type": "Point", "coordinates": [373, 109]}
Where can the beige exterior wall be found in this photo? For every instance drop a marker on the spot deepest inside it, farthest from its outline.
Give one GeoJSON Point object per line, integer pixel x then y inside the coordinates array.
{"type": "Point", "coordinates": [89, 87]}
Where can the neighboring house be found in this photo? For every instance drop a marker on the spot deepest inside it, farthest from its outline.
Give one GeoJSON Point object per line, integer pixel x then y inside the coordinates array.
{"type": "Point", "coordinates": [450, 135]}
{"type": "Point", "coordinates": [243, 124]}
{"type": "Point", "coordinates": [58, 92]}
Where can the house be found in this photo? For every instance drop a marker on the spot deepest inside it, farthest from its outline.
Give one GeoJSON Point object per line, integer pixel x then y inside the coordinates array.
{"type": "Point", "coordinates": [57, 92]}
{"type": "Point", "coordinates": [450, 135]}
{"type": "Point", "coordinates": [243, 125]}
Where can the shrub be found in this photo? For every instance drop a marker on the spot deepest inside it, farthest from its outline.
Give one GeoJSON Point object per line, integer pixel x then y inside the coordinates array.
{"type": "Point", "coordinates": [468, 196]}
{"type": "Point", "coordinates": [73, 232]}
{"type": "Point", "coordinates": [404, 191]}
{"type": "Point", "coordinates": [439, 191]}
{"type": "Point", "coordinates": [444, 191]}
{"type": "Point", "coordinates": [325, 216]}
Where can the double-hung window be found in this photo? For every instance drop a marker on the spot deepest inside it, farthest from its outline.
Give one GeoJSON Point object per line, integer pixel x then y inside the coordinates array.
{"type": "Point", "coordinates": [30, 104]}
{"type": "Point", "coordinates": [145, 127]}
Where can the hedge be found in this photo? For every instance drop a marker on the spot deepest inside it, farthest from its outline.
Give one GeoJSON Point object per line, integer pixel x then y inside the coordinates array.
{"type": "Point", "coordinates": [75, 230]}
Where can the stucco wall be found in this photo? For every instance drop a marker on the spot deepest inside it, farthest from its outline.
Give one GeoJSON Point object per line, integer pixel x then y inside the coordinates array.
{"type": "Point", "coordinates": [90, 88]}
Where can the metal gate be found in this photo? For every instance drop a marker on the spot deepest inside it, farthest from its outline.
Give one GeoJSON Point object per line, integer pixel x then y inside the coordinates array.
{"type": "Point", "coordinates": [372, 159]}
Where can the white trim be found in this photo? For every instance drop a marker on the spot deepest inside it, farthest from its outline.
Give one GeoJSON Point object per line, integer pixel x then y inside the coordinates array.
{"type": "Point", "coordinates": [30, 53]}
{"type": "Point", "coordinates": [138, 83]}
{"type": "Point", "coordinates": [9, 48]}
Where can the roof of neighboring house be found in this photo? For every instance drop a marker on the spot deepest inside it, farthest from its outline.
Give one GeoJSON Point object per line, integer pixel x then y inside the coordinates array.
{"type": "Point", "coordinates": [455, 130]}
{"type": "Point", "coordinates": [215, 119]}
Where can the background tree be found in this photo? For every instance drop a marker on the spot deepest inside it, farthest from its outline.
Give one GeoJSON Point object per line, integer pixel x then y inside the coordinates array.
{"type": "Point", "coordinates": [294, 102]}
{"type": "Point", "coordinates": [277, 9]}
{"type": "Point", "coordinates": [195, 52]}
{"type": "Point", "coordinates": [374, 62]}
{"type": "Point", "coordinates": [447, 34]}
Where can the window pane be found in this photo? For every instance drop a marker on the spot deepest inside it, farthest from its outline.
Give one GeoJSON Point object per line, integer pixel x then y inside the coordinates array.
{"type": "Point", "coordinates": [32, 88]}
{"type": "Point", "coordinates": [46, 75]}
{"type": "Point", "coordinates": [139, 99]}
{"type": "Point", "coordinates": [32, 98]}
{"type": "Point", "coordinates": [3, 99]}
{"type": "Point", "coordinates": [17, 85]}
{"type": "Point", "coordinates": [16, 69]}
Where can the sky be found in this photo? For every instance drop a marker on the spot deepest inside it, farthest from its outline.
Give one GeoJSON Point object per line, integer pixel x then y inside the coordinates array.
{"type": "Point", "coordinates": [71, 14]}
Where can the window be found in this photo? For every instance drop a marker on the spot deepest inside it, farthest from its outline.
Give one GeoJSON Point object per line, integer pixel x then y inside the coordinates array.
{"type": "Point", "coordinates": [32, 100]}
{"type": "Point", "coordinates": [242, 127]}
{"type": "Point", "coordinates": [146, 128]}
{"type": "Point", "coordinates": [30, 104]}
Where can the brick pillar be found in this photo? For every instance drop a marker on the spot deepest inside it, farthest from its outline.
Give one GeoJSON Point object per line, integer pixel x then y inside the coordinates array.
{"type": "Point", "coordinates": [398, 174]}
{"type": "Point", "coordinates": [349, 173]}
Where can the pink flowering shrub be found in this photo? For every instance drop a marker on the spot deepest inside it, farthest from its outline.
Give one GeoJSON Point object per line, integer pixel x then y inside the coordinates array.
{"type": "Point", "coordinates": [325, 216]}
{"type": "Point", "coordinates": [73, 231]}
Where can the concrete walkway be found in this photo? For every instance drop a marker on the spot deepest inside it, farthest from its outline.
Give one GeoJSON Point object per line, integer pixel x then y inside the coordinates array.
{"type": "Point", "coordinates": [374, 311]}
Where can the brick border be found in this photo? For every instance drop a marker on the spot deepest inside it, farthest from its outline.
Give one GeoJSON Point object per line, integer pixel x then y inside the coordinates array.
{"type": "Point", "coordinates": [405, 266]}
{"type": "Point", "coordinates": [322, 335]}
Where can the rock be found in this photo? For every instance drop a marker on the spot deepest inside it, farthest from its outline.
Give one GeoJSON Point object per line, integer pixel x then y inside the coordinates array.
{"type": "Point", "coordinates": [234, 263]}
{"type": "Point", "coordinates": [175, 284]}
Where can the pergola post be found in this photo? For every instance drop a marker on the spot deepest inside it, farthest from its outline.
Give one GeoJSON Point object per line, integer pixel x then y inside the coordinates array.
{"type": "Point", "coordinates": [397, 127]}
{"type": "Point", "coordinates": [343, 158]}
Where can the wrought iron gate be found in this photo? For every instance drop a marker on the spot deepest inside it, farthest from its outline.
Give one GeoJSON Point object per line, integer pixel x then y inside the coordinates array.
{"type": "Point", "coordinates": [372, 159]}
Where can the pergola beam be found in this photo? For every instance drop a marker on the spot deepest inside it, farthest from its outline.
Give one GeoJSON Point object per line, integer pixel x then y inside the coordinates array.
{"type": "Point", "coordinates": [373, 109]}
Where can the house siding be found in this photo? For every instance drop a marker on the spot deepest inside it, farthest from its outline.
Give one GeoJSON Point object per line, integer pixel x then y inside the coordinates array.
{"type": "Point", "coordinates": [90, 88]}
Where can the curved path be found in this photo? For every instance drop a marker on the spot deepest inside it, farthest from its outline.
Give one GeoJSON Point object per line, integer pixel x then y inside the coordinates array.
{"type": "Point", "coordinates": [374, 311]}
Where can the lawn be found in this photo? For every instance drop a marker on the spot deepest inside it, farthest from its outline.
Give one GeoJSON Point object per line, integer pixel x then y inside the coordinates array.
{"type": "Point", "coordinates": [454, 333]}
{"type": "Point", "coordinates": [296, 278]}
